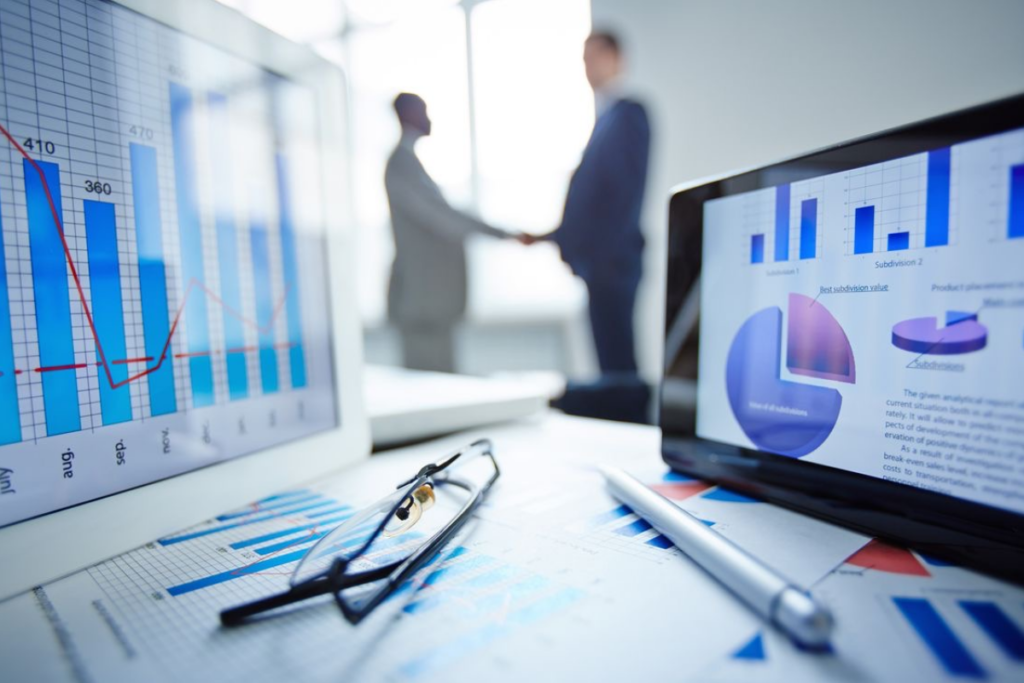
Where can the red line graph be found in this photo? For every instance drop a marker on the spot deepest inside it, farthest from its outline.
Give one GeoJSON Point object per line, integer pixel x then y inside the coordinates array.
{"type": "Point", "coordinates": [192, 286]}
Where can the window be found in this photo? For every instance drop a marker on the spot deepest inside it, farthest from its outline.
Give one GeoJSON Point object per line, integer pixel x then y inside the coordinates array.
{"type": "Point", "coordinates": [504, 84]}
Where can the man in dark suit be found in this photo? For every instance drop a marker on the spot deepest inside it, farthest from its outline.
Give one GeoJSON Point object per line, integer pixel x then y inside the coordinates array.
{"type": "Point", "coordinates": [599, 236]}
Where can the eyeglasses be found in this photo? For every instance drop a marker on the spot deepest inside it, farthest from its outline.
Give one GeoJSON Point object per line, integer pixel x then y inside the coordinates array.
{"type": "Point", "coordinates": [362, 561]}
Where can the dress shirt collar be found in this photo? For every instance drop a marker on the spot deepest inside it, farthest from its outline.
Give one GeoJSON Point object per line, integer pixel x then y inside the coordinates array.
{"type": "Point", "coordinates": [606, 97]}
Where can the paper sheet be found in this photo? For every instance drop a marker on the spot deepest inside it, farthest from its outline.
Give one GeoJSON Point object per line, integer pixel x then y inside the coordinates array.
{"type": "Point", "coordinates": [900, 617]}
{"type": "Point", "coordinates": [550, 581]}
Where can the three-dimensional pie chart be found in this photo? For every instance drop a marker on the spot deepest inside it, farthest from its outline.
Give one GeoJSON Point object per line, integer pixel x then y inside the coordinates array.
{"type": "Point", "coordinates": [961, 334]}
{"type": "Point", "coordinates": [781, 416]}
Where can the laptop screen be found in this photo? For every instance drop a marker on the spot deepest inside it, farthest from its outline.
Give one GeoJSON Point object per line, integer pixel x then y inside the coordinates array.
{"type": "Point", "coordinates": [872, 319]}
{"type": "Point", "coordinates": [163, 298]}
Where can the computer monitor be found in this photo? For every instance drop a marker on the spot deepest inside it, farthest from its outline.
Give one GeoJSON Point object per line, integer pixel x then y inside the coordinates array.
{"type": "Point", "coordinates": [178, 332]}
{"type": "Point", "coordinates": [860, 348]}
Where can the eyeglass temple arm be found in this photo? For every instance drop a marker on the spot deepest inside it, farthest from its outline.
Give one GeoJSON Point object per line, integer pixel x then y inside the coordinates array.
{"type": "Point", "coordinates": [328, 583]}
{"type": "Point", "coordinates": [237, 615]}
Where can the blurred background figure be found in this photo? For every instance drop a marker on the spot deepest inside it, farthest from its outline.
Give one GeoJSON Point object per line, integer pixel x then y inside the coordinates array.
{"type": "Point", "coordinates": [600, 236]}
{"type": "Point", "coordinates": [427, 291]}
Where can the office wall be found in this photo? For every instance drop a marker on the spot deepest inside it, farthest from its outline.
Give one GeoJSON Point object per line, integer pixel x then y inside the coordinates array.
{"type": "Point", "coordinates": [733, 83]}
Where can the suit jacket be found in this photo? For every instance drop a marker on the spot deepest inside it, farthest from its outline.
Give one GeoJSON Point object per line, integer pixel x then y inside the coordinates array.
{"type": "Point", "coordinates": [599, 236]}
{"type": "Point", "coordinates": [428, 276]}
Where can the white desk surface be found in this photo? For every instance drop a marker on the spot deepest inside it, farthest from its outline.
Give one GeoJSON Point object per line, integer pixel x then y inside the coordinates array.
{"type": "Point", "coordinates": [545, 589]}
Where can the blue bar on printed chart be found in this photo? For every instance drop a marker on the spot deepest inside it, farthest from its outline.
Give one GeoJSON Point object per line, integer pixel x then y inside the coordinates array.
{"type": "Point", "coordinates": [107, 310]}
{"type": "Point", "coordinates": [152, 280]}
{"type": "Point", "coordinates": [264, 307]}
{"type": "Point", "coordinates": [1015, 227]}
{"type": "Point", "coordinates": [999, 627]}
{"type": "Point", "coordinates": [232, 574]}
{"type": "Point", "coordinates": [808, 228]}
{"type": "Point", "coordinates": [898, 241]}
{"type": "Point", "coordinates": [10, 421]}
{"type": "Point", "coordinates": [52, 299]}
{"type": "Point", "coordinates": [939, 637]}
{"type": "Point", "coordinates": [190, 232]}
{"type": "Point", "coordinates": [782, 223]}
{"type": "Point", "coordinates": [757, 248]}
{"type": "Point", "coordinates": [936, 217]}
{"type": "Point", "coordinates": [227, 248]}
{"type": "Point", "coordinates": [864, 230]}
{"type": "Point", "coordinates": [289, 262]}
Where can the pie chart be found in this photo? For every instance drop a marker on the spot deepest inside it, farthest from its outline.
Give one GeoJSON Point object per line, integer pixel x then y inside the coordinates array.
{"type": "Point", "coordinates": [780, 416]}
{"type": "Point", "coordinates": [962, 333]}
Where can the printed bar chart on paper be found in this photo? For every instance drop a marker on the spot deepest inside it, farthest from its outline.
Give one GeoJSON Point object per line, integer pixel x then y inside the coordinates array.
{"type": "Point", "coordinates": [150, 287]}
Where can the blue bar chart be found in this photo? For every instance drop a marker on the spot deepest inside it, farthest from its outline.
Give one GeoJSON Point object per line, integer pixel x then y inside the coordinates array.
{"type": "Point", "coordinates": [782, 199]}
{"type": "Point", "coordinates": [108, 309]}
{"type": "Point", "coordinates": [289, 261]}
{"type": "Point", "coordinates": [936, 231]}
{"type": "Point", "coordinates": [52, 298]}
{"type": "Point", "coordinates": [86, 302]}
{"type": "Point", "coordinates": [152, 280]}
{"type": "Point", "coordinates": [134, 299]}
{"type": "Point", "coordinates": [937, 635]}
{"type": "Point", "coordinates": [192, 253]}
{"type": "Point", "coordinates": [1015, 222]}
{"type": "Point", "coordinates": [808, 228]}
{"type": "Point", "coordinates": [864, 230]}
{"type": "Point", "coordinates": [264, 308]}
{"type": "Point", "coordinates": [227, 249]}
{"type": "Point", "coordinates": [757, 248]}
{"type": "Point", "coordinates": [10, 421]}
{"type": "Point", "coordinates": [999, 627]}
{"type": "Point", "coordinates": [898, 241]}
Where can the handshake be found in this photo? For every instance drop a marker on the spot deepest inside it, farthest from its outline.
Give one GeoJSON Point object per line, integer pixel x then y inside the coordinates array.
{"type": "Point", "coordinates": [527, 239]}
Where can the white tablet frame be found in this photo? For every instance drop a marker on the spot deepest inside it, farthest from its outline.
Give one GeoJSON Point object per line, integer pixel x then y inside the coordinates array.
{"type": "Point", "coordinates": [51, 546]}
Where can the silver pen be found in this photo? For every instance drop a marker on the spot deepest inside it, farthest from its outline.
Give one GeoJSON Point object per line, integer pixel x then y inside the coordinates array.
{"type": "Point", "coordinates": [779, 601]}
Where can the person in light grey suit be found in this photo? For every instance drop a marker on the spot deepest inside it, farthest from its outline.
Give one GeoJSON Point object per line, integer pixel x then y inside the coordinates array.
{"type": "Point", "coordinates": [427, 292]}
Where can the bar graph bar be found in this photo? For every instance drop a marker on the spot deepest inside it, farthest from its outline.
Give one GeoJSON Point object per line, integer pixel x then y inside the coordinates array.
{"type": "Point", "coordinates": [1015, 226]}
{"type": "Point", "coordinates": [864, 230]}
{"type": "Point", "coordinates": [52, 301]}
{"type": "Point", "coordinates": [232, 574]}
{"type": "Point", "coordinates": [633, 528]}
{"type": "Point", "coordinates": [264, 307]}
{"type": "Point", "coordinates": [227, 247]}
{"type": "Point", "coordinates": [10, 422]}
{"type": "Point", "coordinates": [107, 309]}
{"type": "Point", "coordinates": [661, 542]}
{"type": "Point", "coordinates": [808, 228]}
{"type": "Point", "coordinates": [1007, 635]}
{"type": "Point", "coordinates": [945, 645]}
{"type": "Point", "coordinates": [936, 217]}
{"type": "Point", "coordinates": [197, 322]}
{"type": "Point", "coordinates": [898, 241]}
{"type": "Point", "coordinates": [757, 248]}
{"type": "Point", "coordinates": [289, 258]}
{"type": "Point", "coordinates": [782, 223]}
{"type": "Point", "coordinates": [152, 279]}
